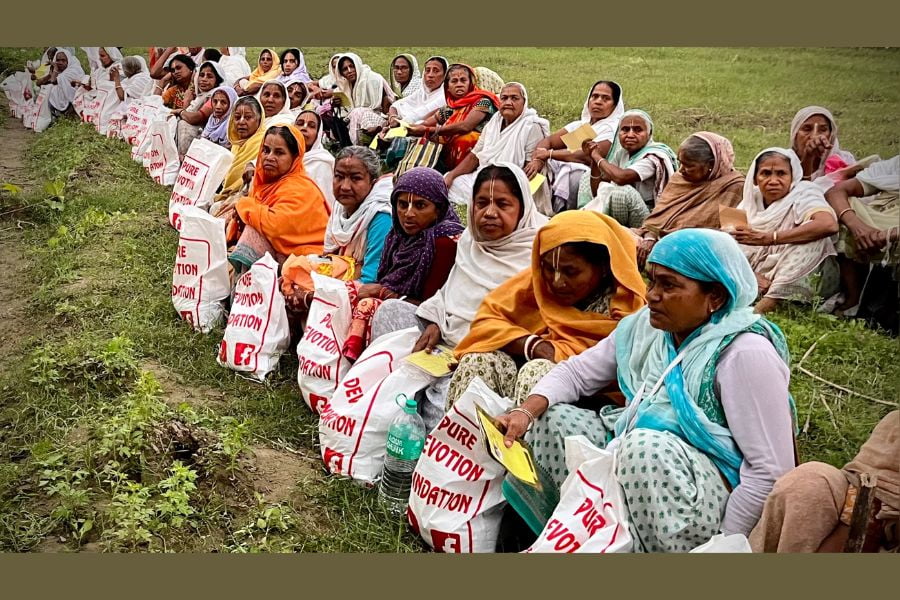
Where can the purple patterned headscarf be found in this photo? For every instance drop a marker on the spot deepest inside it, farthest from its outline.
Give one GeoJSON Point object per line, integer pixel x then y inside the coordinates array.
{"type": "Point", "coordinates": [406, 260]}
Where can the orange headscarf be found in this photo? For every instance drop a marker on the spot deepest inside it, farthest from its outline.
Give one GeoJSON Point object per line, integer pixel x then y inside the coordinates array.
{"type": "Point", "coordinates": [290, 212]}
{"type": "Point", "coordinates": [522, 306]}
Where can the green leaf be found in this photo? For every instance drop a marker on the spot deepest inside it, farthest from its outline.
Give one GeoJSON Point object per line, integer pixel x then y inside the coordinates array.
{"type": "Point", "coordinates": [11, 188]}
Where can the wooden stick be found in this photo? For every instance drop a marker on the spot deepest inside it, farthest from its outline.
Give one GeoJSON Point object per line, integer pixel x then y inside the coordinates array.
{"type": "Point", "coordinates": [862, 513]}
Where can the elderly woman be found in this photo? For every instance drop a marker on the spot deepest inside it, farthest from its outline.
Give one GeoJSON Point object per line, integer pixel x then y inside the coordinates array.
{"type": "Point", "coordinates": [370, 93]}
{"type": "Point", "coordinates": [65, 73]}
{"type": "Point", "coordinates": [582, 282]}
{"type": "Point", "coordinates": [625, 183]}
{"type": "Point", "coordinates": [268, 66]}
{"type": "Point", "coordinates": [418, 254]}
{"type": "Point", "coordinates": [511, 135]}
{"type": "Point", "coordinates": [177, 82]}
{"type": "Point", "coordinates": [318, 162]}
{"type": "Point", "coordinates": [416, 105]}
{"type": "Point", "coordinates": [502, 222]}
{"type": "Point", "coordinates": [193, 118]}
{"type": "Point", "coordinates": [293, 67]}
{"type": "Point", "coordinates": [789, 227]}
{"type": "Point", "coordinates": [285, 212]}
{"type": "Point", "coordinates": [273, 96]}
{"type": "Point", "coordinates": [134, 81]}
{"type": "Point", "coordinates": [868, 207]}
{"type": "Point", "coordinates": [405, 78]}
{"type": "Point", "coordinates": [297, 97]}
{"type": "Point", "coordinates": [222, 100]}
{"type": "Point", "coordinates": [602, 109]}
{"type": "Point", "coordinates": [458, 125]}
{"type": "Point", "coordinates": [708, 422]}
{"type": "Point", "coordinates": [705, 181]}
{"type": "Point", "coordinates": [245, 134]}
{"type": "Point", "coordinates": [814, 140]}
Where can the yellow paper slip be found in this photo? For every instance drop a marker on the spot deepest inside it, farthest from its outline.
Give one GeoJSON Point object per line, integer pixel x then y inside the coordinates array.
{"type": "Point", "coordinates": [374, 144]}
{"type": "Point", "coordinates": [535, 182]}
{"type": "Point", "coordinates": [517, 458]}
{"type": "Point", "coordinates": [436, 363]}
{"type": "Point", "coordinates": [395, 133]}
{"type": "Point", "coordinates": [574, 139]}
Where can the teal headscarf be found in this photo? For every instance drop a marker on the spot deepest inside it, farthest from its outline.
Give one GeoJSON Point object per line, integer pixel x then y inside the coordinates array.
{"type": "Point", "coordinates": [619, 156]}
{"type": "Point", "coordinates": [686, 405]}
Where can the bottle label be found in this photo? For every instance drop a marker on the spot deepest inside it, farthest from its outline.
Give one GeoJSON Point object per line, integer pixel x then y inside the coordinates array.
{"type": "Point", "coordinates": [403, 448]}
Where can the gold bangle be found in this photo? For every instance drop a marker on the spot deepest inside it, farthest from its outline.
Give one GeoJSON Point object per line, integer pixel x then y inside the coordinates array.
{"type": "Point", "coordinates": [844, 211]}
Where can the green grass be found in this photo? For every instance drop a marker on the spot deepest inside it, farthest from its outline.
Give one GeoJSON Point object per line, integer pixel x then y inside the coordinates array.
{"type": "Point", "coordinates": [109, 374]}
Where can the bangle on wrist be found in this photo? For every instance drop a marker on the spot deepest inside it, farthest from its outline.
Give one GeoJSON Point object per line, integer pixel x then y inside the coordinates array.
{"type": "Point", "coordinates": [774, 237]}
{"type": "Point", "coordinates": [550, 156]}
{"type": "Point", "coordinates": [530, 342]}
{"type": "Point", "coordinates": [527, 413]}
{"type": "Point", "coordinates": [846, 210]}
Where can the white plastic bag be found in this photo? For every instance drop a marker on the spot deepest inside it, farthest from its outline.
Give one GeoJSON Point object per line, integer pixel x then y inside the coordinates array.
{"type": "Point", "coordinates": [131, 126]}
{"type": "Point", "coordinates": [456, 500]}
{"type": "Point", "coordinates": [724, 544]}
{"type": "Point", "coordinates": [200, 278]}
{"type": "Point", "coordinates": [257, 331]}
{"type": "Point", "coordinates": [103, 106]}
{"type": "Point", "coordinates": [353, 424]}
{"type": "Point", "coordinates": [40, 111]}
{"type": "Point", "coordinates": [591, 516]}
{"type": "Point", "coordinates": [322, 365]}
{"type": "Point", "coordinates": [163, 167]}
{"type": "Point", "coordinates": [152, 109]}
{"type": "Point", "coordinates": [80, 102]}
{"type": "Point", "coordinates": [202, 171]}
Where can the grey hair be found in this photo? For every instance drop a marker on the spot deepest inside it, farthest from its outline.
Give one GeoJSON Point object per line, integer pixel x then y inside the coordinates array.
{"type": "Point", "coordinates": [696, 149]}
{"type": "Point", "coordinates": [365, 155]}
{"type": "Point", "coordinates": [131, 66]}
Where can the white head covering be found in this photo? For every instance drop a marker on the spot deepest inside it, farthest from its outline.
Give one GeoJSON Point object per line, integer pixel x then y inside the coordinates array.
{"type": "Point", "coordinates": [113, 53]}
{"type": "Point", "coordinates": [508, 144]}
{"type": "Point", "coordinates": [421, 103]}
{"type": "Point", "coordinates": [319, 164]}
{"type": "Point", "coordinates": [415, 77]}
{"type": "Point", "coordinates": [330, 78]}
{"type": "Point", "coordinates": [140, 84]}
{"type": "Point", "coordinates": [62, 94]}
{"type": "Point", "coordinates": [802, 200]}
{"type": "Point", "coordinates": [298, 74]}
{"type": "Point", "coordinates": [369, 87]}
{"type": "Point", "coordinates": [481, 266]}
{"type": "Point", "coordinates": [286, 109]}
{"type": "Point", "coordinates": [802, 115]}
{"type": "Point", "coordinates": [607, 127]}
{"type": "Point", "coordinates": [219, 71]}
{"type": "Point", "coordinates": [348, 235]}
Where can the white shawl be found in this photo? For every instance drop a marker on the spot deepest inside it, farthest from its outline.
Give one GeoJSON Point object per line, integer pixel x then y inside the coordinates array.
{"type": "Point", "coordinates": [607, 127]}
{"type": "Point", "coordinates": [319, 165]}
{"type": "Point", "coordinates": [62, 94]}
{"type": "Point", "coordinates": [140, 84]}
{"type": "Point", "coordinates": [802, 200]}
{"type": "Point", "coordinates": [286, 109]}
{"type": "Point", "coordinates": [802, 115]}
{"type": "Point", "coordinates": [481, 266]}
{"type": "Point", "coordinates": [883, 175]}
{"type": "Point", "coordinates": [347, 235]}
{"type": "Point", "coordinates": [508, 144]}
{"type": "Point", "coordinates": [369, 87]}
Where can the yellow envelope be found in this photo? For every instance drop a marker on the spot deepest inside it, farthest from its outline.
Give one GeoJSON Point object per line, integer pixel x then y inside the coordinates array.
{"type": "Point", "coordinates": [535, 182]}
{"type": "Point", "coordinates": [574, 139]}
{"type": "Point", "coordinates": [396, 132]}
{"type": "Point", "coordinates": [517, 459]}
{"type": "Point", "coordinates": [374, 144]}
{"type": "Point", "coordinates": [437, 363]}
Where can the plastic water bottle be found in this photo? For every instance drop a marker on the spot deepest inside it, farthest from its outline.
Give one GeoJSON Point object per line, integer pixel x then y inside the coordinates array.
{"type": "Point", "coordinates": [405, 440]}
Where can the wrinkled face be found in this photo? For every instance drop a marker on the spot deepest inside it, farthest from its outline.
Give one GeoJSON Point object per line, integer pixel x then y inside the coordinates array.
{"type": "Point", "coordinates": [246, 121]}
{"type": "Point", "coordinates": [265, 61]}
{"type": "Point", "coordinates": [568, 277]}
{"type": "Point", "coordinates": [348, 70]}
{"type": "Point", "coordinates": [773, 176]}
{"type": "Point", "coordinates": [600, 102]}
{"type": "Point", "coordinates": [207, 79]}
{"type": "Point", "coordinates": [309, 127]}
{"type": "Point", "coordinates": [180, 73]}
{"type": "Point", "coordinates": [495, 212]}
{"type": "Point", "coordinates": [105, 60]}
{"type": "Point", "coordinates": [276, 157]}
{"type": "Point", "coordinates": [402, 70]}
{"type": "Point", "coordinates": [62, 63]}
{"type": "Point", "coordinates": [415, 213]}
{"type": "Point", "coordinates": [433, 76]}
{"type": "Point", "coordinates": [512, 103]}
{"type": "Point", "coordinates": [297, 92]}
{"type": "Point", "coordinates": [272, 99]}
{"type": "Point", "coordinates": [220, 104]}
{"type": "Point", "coordinates": [813, 127]}
{"type": "Point", "coordinates": [458, 83]}
{"type": "Point", "coordinates": [677, 303]}
{"type": "Point", "coordinates": [289, 64]}
{"type": "Point", "coordinates": [633, 134]}
{"type": "Point", "coordinates": [351, 183]}
{"type": "Point", "coordinates": [693, 171]}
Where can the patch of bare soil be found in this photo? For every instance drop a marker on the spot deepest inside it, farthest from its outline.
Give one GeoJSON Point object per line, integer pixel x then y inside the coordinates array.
{"type": "Point", "coordinates": [176, 390]}
{"type": "Point", "coordinates": [276, 473]}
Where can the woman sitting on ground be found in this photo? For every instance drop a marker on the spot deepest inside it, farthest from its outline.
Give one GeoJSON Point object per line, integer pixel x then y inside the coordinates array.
{"type": "Point", "coordinates": [415, 106]}
{"type": "Point", "coordinates": [293, 67]}
{"type": "Point", "coordinates": [418, 253]}
{"type": "Point", "coordinates": [134, 81]}
{"type": "Point", "coordinates": [192, 119]}
{"type": "Point", "coordinates": [602, 109]}
{"type": "Point", "coordinates": [65, 73]}
{"type": "Point", "coordinates": [369, 92]}
{"type": "Point", "coordinates": [705, 181]}
{"type": "Point", "coordinates": [245, 134]}
{"type": "Point", "coordinates": [814, 140]}
{"type": "Point", "coordinates": [625, 183]}
{"type": "Point", "coordinates": [222, 100]}
{"type": "Point", "coordinates": [318, 162]}
{"type": "Point", "coordinates": [708, 422]}
{"type": "Point", "coordinates": [285, 212]}
{"type": "Point", "coordinates": [273, 96]}
{"type": "Point", "coordinates": [496, 244]}
{"type": "Point", "coordinates": [268, 66]}
{"type": "Point", "coordinates": [458, 125]}
{"type": "Point", "coordinates": [177, 82]}
{"type": "Point", "coordinates": [868, 207]}
{"type": "Point", "coordinates": [789, 227]}
{"type": "Point", "coordinates": [405, 78]}
{"type": "Point", "coordinates": [511, 135]}
{"type": "Point", "coordinates": [582, 281]}
{"type": "Point", "coordinates": [109, 59]}
{"type": "Point", "coordinates": [297, 97]}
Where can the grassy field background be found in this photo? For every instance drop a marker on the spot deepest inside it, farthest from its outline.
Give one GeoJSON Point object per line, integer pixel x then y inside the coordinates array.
{"type": "Point", "coordinates": [118, 430]}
